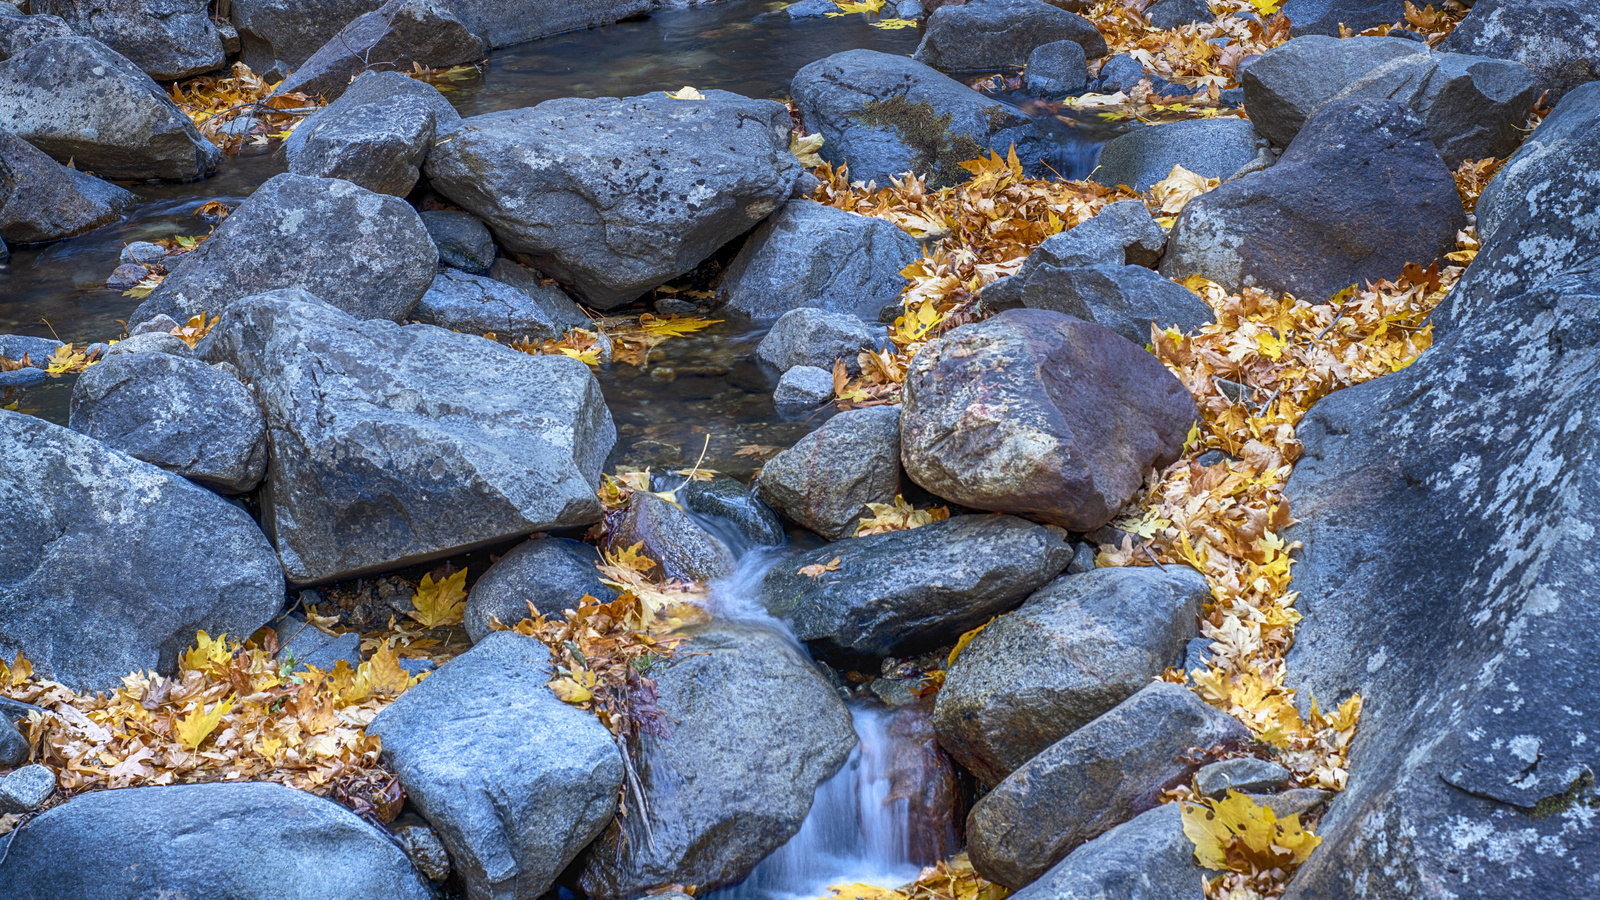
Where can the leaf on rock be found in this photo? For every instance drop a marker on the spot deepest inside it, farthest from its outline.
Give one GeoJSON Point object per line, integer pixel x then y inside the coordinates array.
{"type": "Point", "coordinates": [1236, 834]}
{"type": "Point", "coordinates": [815, 570]}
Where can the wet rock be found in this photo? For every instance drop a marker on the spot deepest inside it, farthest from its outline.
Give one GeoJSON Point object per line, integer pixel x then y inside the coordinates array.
{"type": "Point", "coordinates": [1213, 148]}
{"type": "Point", "coordinates": [27, 789]}
{"type": "Point", "coordinates": [277, 36]}
{"type": "Point", "coordinates": [376, 459]}
{"type": "Point", "coordinates": [168, 39]}
{"type": "Point", "coordinates": [1286, 85]}
{"type": "Point", "coordinates": [205, 840]}
{"type": "Point", "coordinates": [473, 304]}
{"type": "Point", "coordinates": [464, 242]}
{"type": "Point", "coordinates": [25, 377]}
{"type": "Point", "coordinates": [1058, 67]}
{"type": "Point", "coordinates": [366, 252]}
{"type": "Point", "coordinates": [379, 146]}
{"type": "Point", "coordinates": [1324, 17]}
{"type": "Point", "coordinates": [42, 200]}
{"type": "Point", "coordinates": [804, 386]}
{"type": "Point", "coordinates": [400, 33]}
{"type": "Point", "coordinates": [1245, 774]}
{"type": "Point", "coordinates": [125, 276]}
{"type": "Point", "coordinates": [922, 777]}
{"type": "Point", "coordinates": [996, 34]}
{"type": "Point", "coordinates": [884, 115]}
{"type": "Point", "coordinates": [731, 500]}
{"type": "Point", "coordinates": [37, 349]}
{"type": "Point", "coordinates": [1037, 413]}
{"type": "Point", "coordinates": [1126, 299]}
{"type": "Point", "coordinates": [732, 782]}
{"type": "Point", "coordinates": [14, 748]}
{"type": "Point", "coordinates": [825, 481]}
{"type": "Point", "coordinates": [1360, 193]}
{"type": "Point", "coordinates": [810, 9]}
{"type": "Point", "coordinates": [551, 574]}
{"type": "Point", "coordinates": [682, 549]}
{"type": "Point", "coordinates": [552, 299]}
{"type": "Point", "coordinates": [614, 197]}
{"type": "Point", "coordinates": [176, 413]}
{"type": "Point", "coordinates": [1169, 14]}
{"type": "Point", "coordinates": [137, 560]}
{"type": "Point", "coordinates": [19, 32]}
{"type": "Point", "coordinates": [1075, 649]}
{"type": "Point", "coordinates": [77, 99]}
{"type": "Point", "coordinates": [812, 256]}
{"type": "Point", "coordinates": [812, 337]}
{"type": "Point", "coordinates": [1147, 857]}
{"type": "Point", "coordinates": [422, 844]}
{"type": "Point", "coordinates": [1091, 781]}
{"type": "Point", "coordinates": [515, 781]}
{"type": "Point", "coordinates": [1554, 38]}
{"type": "Point", "coordinates": [501, 24]}
{"type": "Point", "coordinates": [907, 591]}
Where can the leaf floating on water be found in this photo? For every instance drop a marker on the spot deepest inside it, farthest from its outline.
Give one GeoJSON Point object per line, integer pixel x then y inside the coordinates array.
{"type": "Point", "coordinates": [851, 7]}
{"type": "Point", "coordinates": [891, 24]}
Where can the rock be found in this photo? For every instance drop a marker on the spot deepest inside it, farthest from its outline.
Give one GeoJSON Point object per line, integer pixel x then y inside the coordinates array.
{"type": "Point", "coordinates": [1147, 857]}
{"type": "Point", "coordinates": [552, 299]}
{"type": "Point", "coordinates": [1058, 67]}
{"type": "Point", "coordinates": [683, 550]}
{"type": "Point", "coordinates": [277, 36]}
{"type": "Point", "coordinates": [135, 559]}
{"type": "Point", "coordinates": [1170, 14]}
{"type": "Point", "coordinates": [1091, 781]}
{"type": "Point", "coordinates": [27, 789]}
{"type": "Point", "coordinates": [1213, 148]}
{"type": "Point", "coordinates": [14, 748]}
{"type": "Point", "coordinates": [401, 33]}
{"type": "Point", "coordinates": [125, 276]}
{"type": "Point", "coordinates": [614, 197]}
{"type": "Point", "coordinates": [1196, 655]}
{"type": "Point", "coordinates": [910, 9]}
{"type": "Point", "coordinates": [1072, 651]}
{"type": "Point", "coordinates": [380, 88]}
{"type": "Point", "coordinates": [812, 337]}
{"type": "Point", "coordinates": [1359, 194]}
{"type": "Point", "coordinates": [423, 845]}
{"type": "Point", "coordinates": [154, 325]}
{"type": "Point", "coordinates": [909, 591]}
{"type": "Point", "coordinates": [38, 349]}
{"type": "Point", "coordinates": [501, 25]}
{"type": "Point", "coordinates": [19, 32]}
{"type": "Point", "coordinates": [176, 413]}
{"type": "Point", "coordinates": [1287, 84]}
{"type": "Point", "coordinates": [731, 782]}
{"type": "Point", "coordinates": [1125, 299]}
{"type": "Point", "coordinates": [1122, 233]}
{"type": "Point", "coordinates": [1554, 38]}
{"type": "Point", "coordinates": [729, 499]}
{"type": "Point", "coordinates": [804, 386]}
{"type": "Point", "coordinates": [996, 34]}
{"type": "Point", "coordinates": [884, 115]}
{"type": "Point", "coordinates": [169, 39]}
{"type": "Point", "coordinates": [551, 574]}
{"type": "Point", "coordinates": [367, 252]}
{"type": "Point", "coordinates": [1295, 802]}
{"type": "Point", "coordinates": [810, 9]}
{"type": "Point", "coordinates": [1245, 774]}
{"type": "Point", "coordinates": [77, 99]}
{"type": "Point", "coordinates": [515, 781]}
{"type": "Point", "coordinates": [152, 342]}
{"type": "Point", "coordinates": [306, 646]}
{"type": "Point", "coordinates": [812, 256]}
{"type": "Point", "coordinates": [464, 243]}
{"type": "Point", "coordinates": [379, 146]}
{"type": "Point", "coordinates": [258, 840]}
{"type": "Point", "coordinates": [1325, 17]}
{"type": "Point", "coordinates": [1037, 413]}
{"type": "Point", "coordinates": [1121, 73]}
{"type": "Point", "coordinates": [475, 305]}
{"type": "Point", "coordinates": [1514, 200]}
{"type": "Point", "coordinates": [825, 481]}
{"type": "Point", "coordinates": [377, 459]}
{"type": "Point", "coordinates": [42, 200]}
{"type": "Point", "coordinates": [25, 377]}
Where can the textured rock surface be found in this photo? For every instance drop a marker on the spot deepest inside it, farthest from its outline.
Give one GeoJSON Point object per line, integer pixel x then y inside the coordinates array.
{"type": "Point", "coordinates": [1122, 233]}
{"type": "Point", "coordinates": [501, 24]}
{"type": "Point", "coordinates": [825, 481]}
{"type": "Point", "coordinates": [1147, 857]}
{"type": "Point", "coordinates": [812, 337]}
{"type": "Point", "coordinates": [42, 200]}
{"type": "Point", "coordinates": [1125, 299]}
{"type": "Point", "coordinates": [19, 32]}
{"type": "Point", "coordinates": [550, 298]}
{"type": "Point", "coordinates": [1286, 85]}
{"type": "Point", "coordinates": [995, 34]}
{"type": "Point", "coordinates": [168, 39]}
{"type": "Point", "coordinates": [803, 386]}
{"type": "Point", "coordinates": [377, 87]}
{"type": "Point", "coordinates": [1215, 148]}
{"type": "Point", "coordinates": [682, 549]}
{"type": "Point", "coordinates": [464, 243]}
{"type": "Point", "coordinates": [276, 36]}
{"type": "Point", "coordinates": [1558, 39]}
{"type": "Point", "coordinates": [551, 573]}
{"type": "Point", "coordinates": [1059, 67]}
{"type": "Point", "coordinates": [1245, 774]}
{"type": "Point", "coordinates": [1170, 14]}
{"type": "Point", "coordinates": [400, 33]}
{"type": "Point", "coordinates": [729, 499]}
{"type": "Point", "coordinates": [473, 304]}
{"type": "Point", "coordinates": [379, 146]}
{"type": "Point", "coordinates": [1324, 17]}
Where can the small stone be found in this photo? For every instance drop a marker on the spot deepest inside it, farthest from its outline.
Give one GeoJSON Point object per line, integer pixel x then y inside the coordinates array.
{"type": "Point", "coordinates": [910, 9]}
{"type": "Point", "coordinates": [683, 550]}
{"type": "Point", "coordinates": [26, 789]}
{"type": "Point", "coordinates": [729, 499]}
{"type": "Point", "coordinates": [812, 337]}
{"type": "Point", "coordinates": [1121, 73]}
{"type": "Point", "coordinates": [811, 9]}
{"type": "Point", "coordinates": [464, 242]}
{"type": "Point", "coordinates": [13, 746]}
{"type": "Point", "coordinates": [549, 574]}
{"type": "Point", "coordinates": [423, 845]}
{"type": "Point", "coordinates": [673, 306]}
{"type": "Point", "coordinates": [806, 386]}
{"type": "Point", "coordinates": [1245, 774]}
{"type": "Point", "coordinates": [125, 276]}
{"type": "Point", "coordinates": [163, 324]}
{"type": "Point", "coordinates": [1058, 67]}
{"type": "Point", "coordinates": [143, 253]}
{"type": "Point", "coordinates": [1083, 555]}
{"type": "Point", "coordinates": [1170, 14]}
{"type": "Point", "coordinates": [151, 342]}
{"type": "Point", "coordinates": [1197, 654]}
{"type": "Point", "coordinates": [1293, 802]}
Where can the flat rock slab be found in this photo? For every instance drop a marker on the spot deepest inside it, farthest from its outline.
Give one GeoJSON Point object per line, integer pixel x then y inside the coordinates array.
{"type": "Point", "coordinates": [473, 304]}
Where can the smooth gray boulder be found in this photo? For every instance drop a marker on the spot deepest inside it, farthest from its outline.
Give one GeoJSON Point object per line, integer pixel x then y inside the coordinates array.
{"type": "Point", "coordinates": [730, 499]}
{"type": "Point", "coordinates": [1091, 781]}
{"type": "Point", "coordinates": [392, 446]}
{"type": "Point", "coordinates": [366, 252]}
{"type": "Point", "coordinates": [1211, 148]}
{"type": "Point", "coordinates": [473, 304]}
{"type": "Point", "coordinates": [1077, 647]}
{"type": "Point", "coordinates": [1170, 14]}
{"type": "Point", "coordinates": [1325, 17]}
{"type": "Point", "coordinates": [551, 574]}
{"type": "Point", "coordinates": [812, 256]}
{"type": "Point", "coordinates": [136, 560]}
{"type": "Point", "coordinates": [554, 301]}
{"type": "Point", "coordinates": [399, 35]}
{"type": "Point", "coordinates": [501, 24]}
{"type": "Point", "coordinates": [464, 242]}
{"type": "Point", "coordinates": [168, 39]}
{"type": "Point", "coordinates": [515, 781]}
{"type": "Point", "coordinates": [381, 88]}
{"type": "Point", "coordinates": [1059, 67]}
{"type": "Point", "coordinates": [613, 197]}
{"type": "Point", "coordinates": [179, 414]}
{"type": "Point", "coordinates": [42, 200]}
{"type": "Point", "coordinates": [996, 34]}
{"type": "Point", "coordinates": [379, 146]}
{"type": "Point", "coordinates": [258, 840]}
{"type": "Point", "coordinates": [728, 781]}
{"type": "Point", "coordinates": [77, 99]}
{"type": "Point", "coordinates": [812, 337]}
{"type": "Point", "coordinates": [825, 481]}
{"type": "Point", "coordinates": [1290, 82]}
{"type": "Point", "coordinates": [1147, 857]}
{"type": "Point", "coordinates": [903, 592]}
{"type": "Point", "coordinates": [1554, 38]}
{"type": "Point", "coordinates": [803, 386]}
{"type": "Point", "coordinates": [1125, 299]}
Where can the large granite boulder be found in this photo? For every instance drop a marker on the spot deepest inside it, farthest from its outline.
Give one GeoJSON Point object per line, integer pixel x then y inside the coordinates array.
{"type": "Point", "coordinates": [168, 39]}
{"type": "Point", "coordinates": [1360, 193]}
{"type": "Point", "coordinates": [1554, 38]}
{"type": "Point", "coordinates": [400, 33]}
{"type": "Point", "coordinates": [825, 481]}
{"type": "Point", "coordinates": [277, 36]}
{"type": "Point", "coordinates": [1327, 17]}
{"type": "Point", "coordinates": [1076, 648]}
{"type": "Point", "coordinates": [1125, 299]}
{"type": "Point", "coordinates": [903, 592]}
{"type": "Point", "coordinates": [812, 256]}
{"type": "Point", "coordinates": [1041, 414]}
{"type": "Point", "coordinates": [515, 781]}
{"type": "Point", "coordinates": [1213, 148]}
{"type": "Point", "coordinates": [19, 32]}
{"type": "Point", "coordinates": [1147, 857]}
{"type": "Point", "coordinates": [997, 34]}
{"type": "Point", "coordinates": [77, 99]}
{"type": "Point", "coordinates": [615, 197]}
{"type": "Point", "coordinates": [109, 565]}
{"type": "Point", "coordinates": [395, 445]}
{"type": "Point", "coordinates": [257, 840]}
{"type": "Point", "coordinates": [551, 574]}
{"type": "Point", "coordinates": [367, 253]}
{"type": "Point", "coordinates": [751, 729]}
{"type": "Point", "coordinates": [1296, 78]}
{"type": "Point", "coordinates": [885, 115]}
{"type": "Point", "coordinates": [42, 200]}
{"type": "Point", "coordinates": [379, 146]}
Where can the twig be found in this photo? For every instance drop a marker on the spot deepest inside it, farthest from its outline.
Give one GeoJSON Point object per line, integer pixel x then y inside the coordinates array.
{"type": "Point", "coordinates": [690, 477]}
{"type": "Point", "coordinates": [1153, 559]}
{"type": "Point", "coordinates": [637, 790]}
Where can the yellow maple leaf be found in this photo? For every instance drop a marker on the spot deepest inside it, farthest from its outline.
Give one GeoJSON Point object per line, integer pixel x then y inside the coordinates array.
{"type": "Point", "coordinates": [898, 516]}
{"type": "Point", "coordinates": [208, 654]}
{"type": "Point", "coordinates": [847, 7]}
{"type": "Point", "coordinates": [915, 325]}
{"type": "Point", "coordinates": [686, 93]}
{"type": "Point", "coordinates": [673, 326]}
{"type": "Point", "coordinates": [1179, 187]}
{"type": "Point", "coordinates": [1236, 834]}
{"type": "Point", "coordinates": [576, 689]}
{"type": "Point", "coordinates": [198, 724]}
{"type": "Point", "coordinates": [891, 24]}
{"type": "Point", "coordinates": [805, 149]}
{"type": "Point", "coordinates": [440, 602]}
{"type": "Point", "coordinates": [964, 640]}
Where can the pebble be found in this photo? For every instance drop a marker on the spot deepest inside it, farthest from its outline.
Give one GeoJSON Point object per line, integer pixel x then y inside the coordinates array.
{"type": "Point", "coordinates": [26, 789]}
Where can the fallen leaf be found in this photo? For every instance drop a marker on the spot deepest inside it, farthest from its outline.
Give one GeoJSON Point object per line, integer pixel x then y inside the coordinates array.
{"type": "Point", "coordinates": [815, 570]}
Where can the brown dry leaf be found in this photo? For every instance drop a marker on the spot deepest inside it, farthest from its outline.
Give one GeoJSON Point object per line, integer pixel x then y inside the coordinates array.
{"type": "Point", "coordinates": [1180, 186]}
{"type": "Point", "coordinates": [898, 516]}
{"type": "Point", "coordinates": [816, 570]}
{"type": "Point", "coordinates": [440, 603]}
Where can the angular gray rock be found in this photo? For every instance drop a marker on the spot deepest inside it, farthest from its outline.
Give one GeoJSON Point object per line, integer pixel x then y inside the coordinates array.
{"type": "Point", "coordinates": [27, 789]}
{"type": "Point", "coordinates": [996, 34]}
{"type": "Point", "coordinates": [473, 304]}
{"type": "Point", "coordinates": [812, 337]}
{"type": "Point", "coordinates": [1125, 299]}
{"type": "Point", "coordinates": [615, 197]}
{"type": "Point", "coordinates": [464, 243]}
{"type": "Point", "coordinates": [1517, 197]}
{"type": "Point", "coordinates": [14, 748]}
{"type": "Point", "coordinates": [1245, 774]}
{"type": "Point", "coordinates": [1213, 148]}
{"type": "Point", "coordinates": [1323, 17]}
{"type": "Point", "coordinates": [501, 24]}
{"type": "Point", "coordinates": [729, 781]}
{"type": "Point", "coordinates": [395, 445]}
{"type": "Point", "coordinates": [825, 481]}
{"type": "Point", "coordinates": [1041, 414]}
{"type": "Point", "coordinates": [804, 386]}
{"type": "Point", "coordinates": [1059, 67]}
{"type": "Point", "coordinates": [179, 414]}
{"type": "Point", "coordinates": [377, 87]}
{"type": "Point", "coordinates": [76, 98]}
{"type": "Point", "coordinates": [729, 499]}
{"type": "Point", "coordinates": [152, 342]}
{"type": "Point", "coordinates": [305, 646]}
{"type": "Point", "coordinates": [15, 346]}
{"type": "Point", "coordinates": [399, 34]}
{"type": "Point", "coordinates": [682, 550]}
{"type": "Point", "coordinates": [812, 256]}
{"type": "Point", "coordinates": [1147, 857]}
{"type": "Point", "coordinates": [133, 559]}
{"type": "Point", "coordinates": [277, 36]}
{"type": "Point", "coordinates": [168, 39]}
{"type": "Point", "coordinates": [19, 32]}
{"type": "Point", "coordinates": [1287, 84]}
{"type": "Point", "coordinates": [1170, 14]}
{"type": "Point", "coordinates": [42, 200]}
{"type": "Point", "coordinates": [1079, 646]}
{"type": "Point", "coordinates": [1360, 193]}
{"type": "Point", "coordinates": [515, 781]}
{"type": "Point", "coordinates": [1122, 233]}
{"type": "Point", "coordinates": [1091, 781]}
{"type": "Point", "coordinates": [379, 146]}
{"type": "Point", "coordinates": [368, 253]}
{"type": "Point", "coordinates": [1555, 38]}
{"type": "Point", "coordinates": [257, 840]}
{"type": "Point", "coordinates": [907, 591]}
{"type": "Point", "coordinates": [1120, 73]}
{"type": "Point", "coordinates": [551, 573]}
{"type": "Point", "coordinates": [550, 298]}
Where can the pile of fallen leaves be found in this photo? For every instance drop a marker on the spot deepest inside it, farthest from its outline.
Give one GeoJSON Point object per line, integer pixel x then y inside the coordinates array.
{"type": "Point", "coordinates": [240, 108]}
{"type": "Point", "coordinates": [952, 879]}
{"type": "Point", "coordinates": [627, 339]}
{"type": "Point", "coordinates": [1248, 841]}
